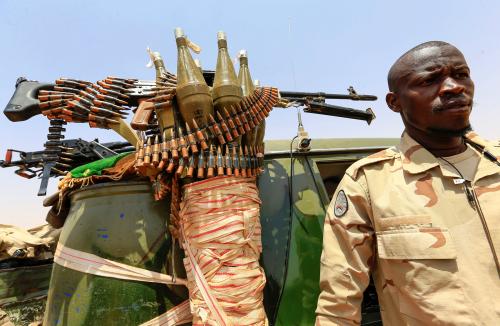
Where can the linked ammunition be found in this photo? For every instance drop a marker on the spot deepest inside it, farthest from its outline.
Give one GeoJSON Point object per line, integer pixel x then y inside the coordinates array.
{"type": "Point", "coordinates": [191, 167]}
{"type": "Point", "coordinates": [220, 162]}
{"type": "Point", "coordinates": [147, 152]}
{"type": "Point", "coordinates": [201, 165]}
{"type": "Point", "coordinates": [171, 165]}
{"type": "Point", "coordinates": [106, 113]}
{"type": "Point", "coordinates": [109, 92]}
{"type": "Point", "coordinates": [112, 87]}
{"type": "Point", "coordinates": [174, 146]}
{"type": "Point", "coordinates": [248, 162]}
{"type": "Point", "coordinates": [236, 118]}
{"type": "Point", "coordinates": [243, 163]}
{"type": "Point", "coordinates": [180, 167]}
{"type": "Point", "coordinates": [162, 98]}
{"type": "Point", "coordinates": [215, 130]}
{"type": "Point", "coordinates": [110, 99]}
{"type": "Point", "coordinates": [105, 104]}
{"type": "Point", "coordinates": [156, 152]}
{"type": "Point", "coordinates": [243, 118]}
{"type": "Point", "coordinates": [211, 163]}
{"type": "Point", "coordinates": [236, 162]}
{"type": "Point", "coordinates": [191, 139]}
{"type": "Point", "coordinates": [77, 107]}
{"type": "Point", "coordinates": [140, 152]}
{"type": "Point", "coordinates": [231, 123]}
{"type": "Point", "coordinates": [70, 83]}
{"type": "Point", "coordinates": [250, 120]}
{"type": "Point", "coordinates": [51, 97]}
{"type": "Point", "coordinates": [227, 134]}
{"type": "Point", "coordinates": [183, 144]}
{"type": "Point", "coordinates": [66, 89]}
{"type": "Point", "coordinates": [228, 162]}
{"type": "Point", "coordinates": [201, 136]}
{"type": "Point", "coordinates": [84, 82]}
{"type": "Point", "coordinates": [51, 104]}
{"type": "Point", "coordinates": [119, 82]}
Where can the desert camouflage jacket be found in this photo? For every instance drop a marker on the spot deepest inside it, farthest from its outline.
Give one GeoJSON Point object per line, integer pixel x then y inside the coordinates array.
{"type": "Point", "coordinates": [404, 218]}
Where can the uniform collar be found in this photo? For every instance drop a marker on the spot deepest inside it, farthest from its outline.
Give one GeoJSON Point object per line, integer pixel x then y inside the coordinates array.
{"type": "Point", "coordinates": [416, 159]}
{"type": "Point", "coordinates": [486, 166]}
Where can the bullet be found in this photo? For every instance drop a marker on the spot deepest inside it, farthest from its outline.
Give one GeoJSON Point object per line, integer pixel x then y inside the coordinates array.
{"type": "Point", "coordinates": [248, 162]}
{"type": "Point", "coordinates": [51, 97]}
{"type": "Point", "coordinates": [201, 165]}
{"type": "Point", "coordinates": [147, 152]}
{"type": "Point", "coordinates": [191, 139]}
{"type": "Point", "coordinates": [156, 152]}
{"type": "Point", "coordinates": [140, 152]}
{"type": "Point", "coordinates": [112, 87]}
{"type": "Point", "coordinates": [180, 167]}
{"type": "Point", "coordinates": [201, 137]}
{"type": "Point", "coordinates": [232, 125]}
{"type": "Point", "coordinates": [67, 89]}
{"type": "Point", "coordinates": [52, 104]}
{"type": "Point", "coordinates": [211, 163]}
{"type": "Point", "coordinates": [183, 144]}
{"type": "Point", "coordinates": [228, 162]}
{"type": "Point", "coordinates": [243, 163]}
{"type": "Point", "coordinates": [227, 134]}
{"type": "Point", "coordinates": [215, 130]}
{"type": "Point", "coordinates": [110, 99]}
{"type": "Point", "coordinates": [236, 118]}
{"type": "Point", "coordinates": [236, 163]}
{"type": "Point", "coordinates": [220, 162]}
{"type": "Point", "coordinates": [174, 146]}
{"type": "Point", "coordinates": [191, 167]}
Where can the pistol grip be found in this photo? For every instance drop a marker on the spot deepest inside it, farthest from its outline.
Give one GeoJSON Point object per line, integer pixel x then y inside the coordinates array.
{"type": "Point", "coordinates": [141, 118]}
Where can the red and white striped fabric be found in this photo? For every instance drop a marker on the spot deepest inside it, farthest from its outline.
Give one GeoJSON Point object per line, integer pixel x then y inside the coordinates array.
{"type": "Point", "coordinates": [220, 226]}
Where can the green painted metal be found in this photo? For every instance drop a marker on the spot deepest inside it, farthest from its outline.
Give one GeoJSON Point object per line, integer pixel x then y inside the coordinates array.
{"type": "Point", "coordinates": [121, 222]}
{"type": "Point", "coordinates": [292, 243]}
{"type": "Point", "coordinates": [23, 292]}
{"type": "Point", "coordinates": [332, 143]}
{"type": "Point", "coordinates": [24, 283]}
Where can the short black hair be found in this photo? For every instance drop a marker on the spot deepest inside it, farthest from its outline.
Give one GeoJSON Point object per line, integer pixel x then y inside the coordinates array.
{"type": "Point", "coordinates": [392, 75]}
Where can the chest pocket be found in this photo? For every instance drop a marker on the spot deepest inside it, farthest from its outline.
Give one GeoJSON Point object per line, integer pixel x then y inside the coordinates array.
{"type": "Point", "coordinates": [416, 243]}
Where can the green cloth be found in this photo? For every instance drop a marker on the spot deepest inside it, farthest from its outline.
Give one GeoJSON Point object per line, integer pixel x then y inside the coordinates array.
{"type": "Point", "coordinates": [96, 167]}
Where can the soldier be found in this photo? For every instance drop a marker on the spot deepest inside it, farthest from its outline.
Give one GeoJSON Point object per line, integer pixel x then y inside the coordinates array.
{"type": "Point", "coordinates": [423, 217]}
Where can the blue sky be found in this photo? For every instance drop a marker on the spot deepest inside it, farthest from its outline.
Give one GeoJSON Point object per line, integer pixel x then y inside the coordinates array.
{"type": "Point", "coordinates": [293, 45]}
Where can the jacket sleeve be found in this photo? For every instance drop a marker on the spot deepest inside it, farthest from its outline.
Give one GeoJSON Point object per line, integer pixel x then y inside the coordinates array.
{"type": "Point", "coordinates": [348, 241]}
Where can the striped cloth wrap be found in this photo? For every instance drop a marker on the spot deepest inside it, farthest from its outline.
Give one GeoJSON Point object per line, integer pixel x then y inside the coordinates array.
{"type": "Point", "coordinates": [221, 236]}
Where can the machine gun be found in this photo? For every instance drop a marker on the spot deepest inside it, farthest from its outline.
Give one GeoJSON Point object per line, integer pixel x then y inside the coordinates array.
{"type": "Point", "coordinates": [60, 159]}
{"type": "Point", "coordinates": [316, 103]}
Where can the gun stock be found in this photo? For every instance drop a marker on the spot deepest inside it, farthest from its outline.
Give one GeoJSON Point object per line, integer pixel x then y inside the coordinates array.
{"type": "Point", "coordinates": [24, 103]}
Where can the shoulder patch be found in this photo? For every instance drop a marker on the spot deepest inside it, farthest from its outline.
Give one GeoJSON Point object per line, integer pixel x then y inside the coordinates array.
{"type": "Point", "coordinates": [341, 205]}
{"type": "Point", "coordinates": [384, 155]}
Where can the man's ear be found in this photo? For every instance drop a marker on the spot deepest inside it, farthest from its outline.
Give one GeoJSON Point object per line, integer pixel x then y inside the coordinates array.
{"type": "Point", "coordinates": [392, 101]}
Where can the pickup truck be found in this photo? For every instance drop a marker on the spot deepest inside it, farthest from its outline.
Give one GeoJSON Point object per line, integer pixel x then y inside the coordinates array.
{"type": "Point", "coordinates": [296, 189]}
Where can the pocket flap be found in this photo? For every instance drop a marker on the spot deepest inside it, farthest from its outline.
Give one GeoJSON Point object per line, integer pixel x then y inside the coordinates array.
{"type": "Point", "coordinates": [416, 243]}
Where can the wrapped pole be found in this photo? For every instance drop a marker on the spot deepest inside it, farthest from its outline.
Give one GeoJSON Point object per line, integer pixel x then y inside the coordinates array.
{"type": "Point", "coordinates": [221, 236]}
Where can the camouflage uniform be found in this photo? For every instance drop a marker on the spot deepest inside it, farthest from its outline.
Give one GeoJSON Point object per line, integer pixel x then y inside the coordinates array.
{"type": "Point", "coordinates": [400, 215]}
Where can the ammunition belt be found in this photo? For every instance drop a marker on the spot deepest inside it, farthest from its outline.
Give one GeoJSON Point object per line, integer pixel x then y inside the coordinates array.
{"type": "Point", "coordinates": [234, 160]}
{"type": "Point", "coordinates": [213, 150]}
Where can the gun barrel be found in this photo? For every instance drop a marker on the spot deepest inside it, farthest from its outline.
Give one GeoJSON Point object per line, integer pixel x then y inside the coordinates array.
{"type": "Point", "coordinates": [305, 95]}
{"type": "Point", "coordinates": [340, 111]}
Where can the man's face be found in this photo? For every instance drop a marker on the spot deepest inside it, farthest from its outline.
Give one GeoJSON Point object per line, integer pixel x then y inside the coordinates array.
{"type": "Point", "coordinates": [434, 92]}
